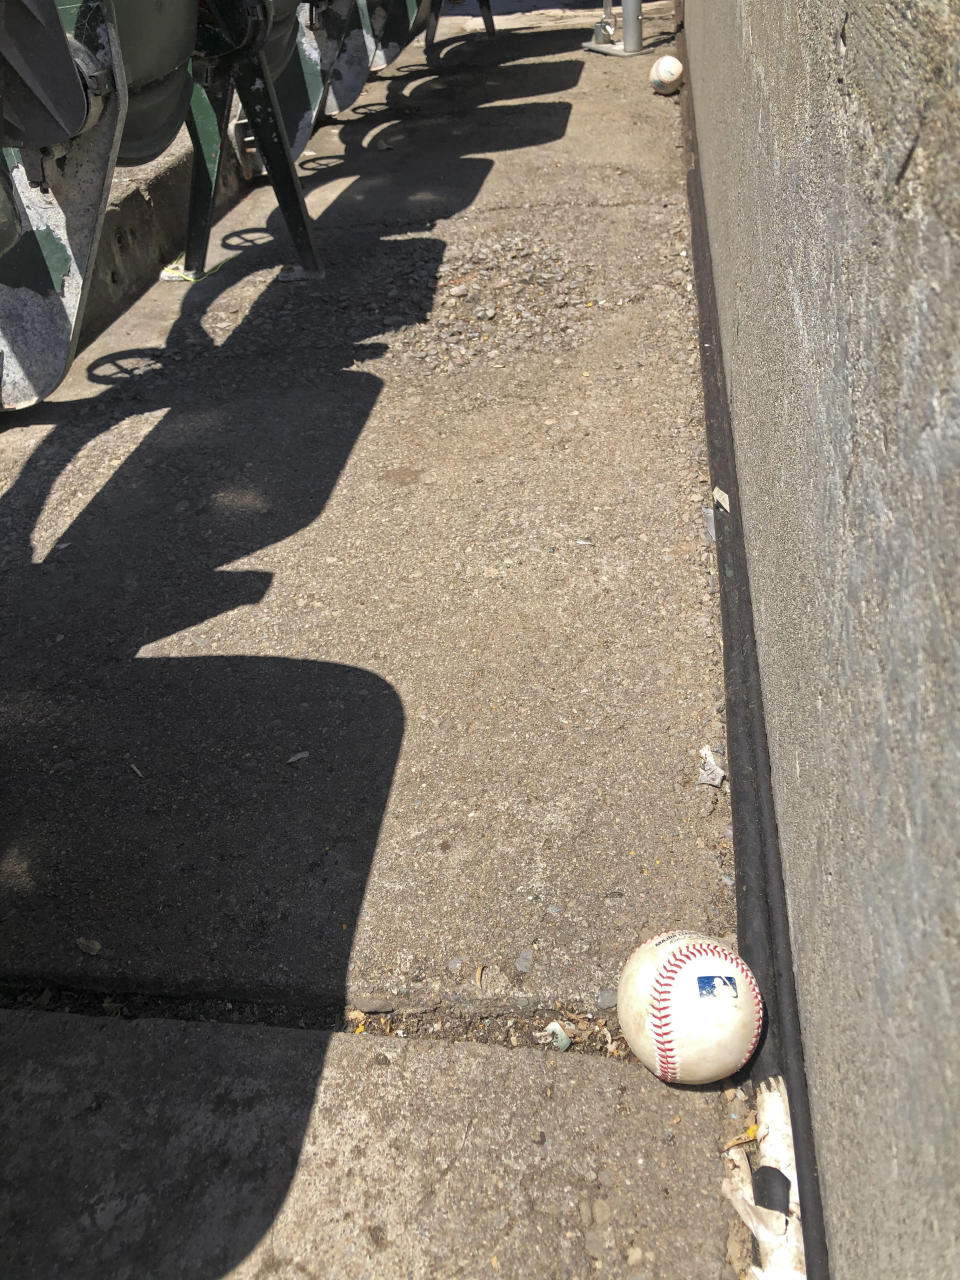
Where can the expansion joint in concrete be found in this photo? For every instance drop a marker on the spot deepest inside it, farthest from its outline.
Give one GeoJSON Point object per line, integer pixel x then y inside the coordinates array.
{"type": "Point", "coordinates": [453, 1022]}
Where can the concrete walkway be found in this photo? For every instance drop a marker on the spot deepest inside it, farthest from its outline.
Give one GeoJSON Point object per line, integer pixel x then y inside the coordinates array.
{"type": "Point", "coordinates": [174, 1149]}
{"type": "Point", "coordinates": [359, 642]}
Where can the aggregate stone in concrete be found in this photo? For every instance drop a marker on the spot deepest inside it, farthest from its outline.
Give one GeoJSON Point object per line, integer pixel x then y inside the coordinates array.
{"type": "Point", "coordinates": [359, 635]}
{"type": "Point", "coordinates": [157, 1150]}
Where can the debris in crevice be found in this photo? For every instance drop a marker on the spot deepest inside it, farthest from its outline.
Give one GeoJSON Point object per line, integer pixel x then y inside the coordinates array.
{"type": "Point", "coordinates": [555, 1035]}
{"type": "Point", "coordinates": [588, 1032]}
{"type": "Point", "coordinates": [762, 1187]}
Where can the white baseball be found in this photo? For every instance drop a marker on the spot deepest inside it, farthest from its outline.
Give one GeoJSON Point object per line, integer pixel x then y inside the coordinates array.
{"type": "Point", "coordinates": [690, 1008]}
{"type": "Point", "coordinates": [666, 74]}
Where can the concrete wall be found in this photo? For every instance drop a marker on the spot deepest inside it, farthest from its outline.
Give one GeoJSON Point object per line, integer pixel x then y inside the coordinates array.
{"type": "Point", "coordinates": [830, 148]}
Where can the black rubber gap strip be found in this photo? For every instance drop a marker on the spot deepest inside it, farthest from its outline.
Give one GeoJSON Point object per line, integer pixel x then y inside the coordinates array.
{"type": "Point", "coordinates": [762, 923]}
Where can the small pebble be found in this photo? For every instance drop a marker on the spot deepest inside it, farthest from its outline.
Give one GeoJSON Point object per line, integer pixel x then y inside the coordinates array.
{"type": "Point", "coordinates": [602, 1212]}
{"type": "Point", "coordinates": [593, 1242]}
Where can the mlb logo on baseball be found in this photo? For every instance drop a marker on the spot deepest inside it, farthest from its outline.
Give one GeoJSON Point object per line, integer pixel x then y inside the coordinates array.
{"type": "Point", "coordinates": [716, 983]}
{"type": "Point", "coordinates": [690, 1008]}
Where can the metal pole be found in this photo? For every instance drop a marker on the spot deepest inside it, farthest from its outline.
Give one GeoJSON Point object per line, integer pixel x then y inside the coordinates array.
{"type": "Point", "coordinates": [603, 33]}
{"type": "Point", "coordinates": [632, 22]}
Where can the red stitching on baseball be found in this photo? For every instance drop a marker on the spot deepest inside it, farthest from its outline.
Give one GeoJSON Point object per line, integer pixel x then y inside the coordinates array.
{"type": "Point", "coordinates": [667, 975]}
{"type": "Point", "coordinates": [660, 1019]}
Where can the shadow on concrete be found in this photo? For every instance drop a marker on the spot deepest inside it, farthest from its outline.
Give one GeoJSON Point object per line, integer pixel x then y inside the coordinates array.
{"type": "Point", "coordinates": [200, 829]}
{"type": "Point", "coordinates": [209, 821]}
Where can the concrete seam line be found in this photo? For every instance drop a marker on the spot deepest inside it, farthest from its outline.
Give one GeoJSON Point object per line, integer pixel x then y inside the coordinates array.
{"type": "Point", "coordinates": [762, 920]}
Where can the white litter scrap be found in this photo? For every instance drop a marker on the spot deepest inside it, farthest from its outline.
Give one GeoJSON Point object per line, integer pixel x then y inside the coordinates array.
{"type": "Point", "coordinates": [778, 1235]}
{"type": "Point", "coordinates": [720, 498]}
{"type": "Point", "coordinates": [555, 1035]}
{"type": "Point", "coordinates": [711, 774]}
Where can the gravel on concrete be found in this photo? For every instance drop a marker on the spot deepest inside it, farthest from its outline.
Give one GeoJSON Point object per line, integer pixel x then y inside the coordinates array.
{"type": "Point", "coordinates": [359, 639]}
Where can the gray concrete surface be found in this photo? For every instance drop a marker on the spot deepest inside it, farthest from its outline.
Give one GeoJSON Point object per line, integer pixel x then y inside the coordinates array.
{"type": "Point", "coordinates": [359, 638]}
{"type": "Point", "coordinates": [160, 1149]}
{"type": "Point", "coordinates": [144, 229]}
{"type": "Point", "coordinates": [466, 573]}
{"type": "Point", "coordinates": [830, 158]}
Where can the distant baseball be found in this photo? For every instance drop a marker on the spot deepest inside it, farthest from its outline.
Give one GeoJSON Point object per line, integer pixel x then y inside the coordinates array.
{"type": "Point", "coordinates": [666, 74]}
{"type": "Point", "coordinates": [690, 1008]}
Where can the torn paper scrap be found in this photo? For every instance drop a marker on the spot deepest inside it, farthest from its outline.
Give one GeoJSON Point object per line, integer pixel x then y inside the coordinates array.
{"type": "Point", "coordinates": [711, 774]}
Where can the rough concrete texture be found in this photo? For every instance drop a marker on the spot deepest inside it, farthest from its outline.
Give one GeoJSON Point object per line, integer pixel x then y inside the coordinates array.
{"type": "Point", "coordinates": [359, 638]}
{"type": "Point", "coordinates": [358, 647]}
{"type": "Point", "coordinates": [160, 1149]}
{"type": "Point", "coordinates": [829, 145]}
{"type": "Point", "coordinates": [144, 229]}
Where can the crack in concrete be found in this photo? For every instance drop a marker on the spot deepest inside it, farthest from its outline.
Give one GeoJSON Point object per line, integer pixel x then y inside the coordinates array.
{"type": "Point", "coordinates": [590, 1033]}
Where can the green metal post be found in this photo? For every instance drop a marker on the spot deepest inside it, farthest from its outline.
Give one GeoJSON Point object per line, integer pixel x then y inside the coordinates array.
{"type": "Point", "coordinates": [259, 100]}
{"type": "Point", "coordinates": [207, 123]}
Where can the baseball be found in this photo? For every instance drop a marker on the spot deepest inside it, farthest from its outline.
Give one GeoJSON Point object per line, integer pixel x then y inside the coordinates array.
{"type": "Point", "coordinates": [666, 74]}
{"type": "Point", "coordinates": [690, 1009]}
